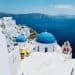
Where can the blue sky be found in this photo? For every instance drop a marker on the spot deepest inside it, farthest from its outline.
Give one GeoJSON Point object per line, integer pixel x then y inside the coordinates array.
{"type": "Point", "coordinates": [50, 7]}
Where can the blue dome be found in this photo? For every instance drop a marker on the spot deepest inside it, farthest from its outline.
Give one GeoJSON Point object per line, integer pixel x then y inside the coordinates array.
{"type": "Point", "coordinates": [46, 38]}
{"type": "Point", "coordinates": [21, 38]}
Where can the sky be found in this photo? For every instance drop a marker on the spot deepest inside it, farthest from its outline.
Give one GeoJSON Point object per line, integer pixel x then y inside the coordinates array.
{"type": "Point", "coordinates": [51, 7]}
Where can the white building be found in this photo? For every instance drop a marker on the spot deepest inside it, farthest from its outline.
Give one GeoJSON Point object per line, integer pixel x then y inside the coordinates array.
{"type": "Point", "coordinates": [9, 26]}
{"type": "Point", "coordinates": [40, 63]}
{"type": "Point", "coordinates": [21, 40]}
{"type": "Point", "coordinates": [14, 60]}
{"type": "Point", "coordinates": [29, 46]}
{"type": "Point", "coordinates": [45, 42]}
{"type": "Point", "coordinates": [23, 30]}
{"type": "Point", "coordinates": [4, 61]}
{"type": "Point", "coordinates": [9, 57]}
{"type": "Point", "coordinates": [7, 21]}
{"type": "Point", "coordinates": [25, 44]}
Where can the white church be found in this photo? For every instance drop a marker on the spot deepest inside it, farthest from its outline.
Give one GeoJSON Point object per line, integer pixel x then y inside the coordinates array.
{"type": "Point", "coordinates": [45, 42]}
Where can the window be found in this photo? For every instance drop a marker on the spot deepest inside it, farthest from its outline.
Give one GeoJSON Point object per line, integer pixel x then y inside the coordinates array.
{"type": "Point", "coordinates": [46, 49]}
{"type": "Point", "coordinates": [38, 49]}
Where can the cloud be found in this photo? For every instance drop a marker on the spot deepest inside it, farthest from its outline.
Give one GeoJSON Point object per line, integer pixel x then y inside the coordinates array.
{"type": "Point", "coordinates": [64, 6]}
{"type": "Point", "coordinates": [67, 9]}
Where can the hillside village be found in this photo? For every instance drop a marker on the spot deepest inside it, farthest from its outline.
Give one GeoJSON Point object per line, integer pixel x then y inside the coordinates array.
{"type": "Point", "coordinates": [22, 44]}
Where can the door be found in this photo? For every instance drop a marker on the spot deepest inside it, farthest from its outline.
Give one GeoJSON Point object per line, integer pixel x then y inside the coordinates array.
{"type": "Point", "coordinates": [46, 49]}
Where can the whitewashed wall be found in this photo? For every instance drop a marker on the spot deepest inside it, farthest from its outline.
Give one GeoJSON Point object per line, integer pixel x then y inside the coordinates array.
{"type": "Point", "coordinates": [4, 61]}
{"type": "Point", "coordinates": [14, 60]}
{"type": "Point", "coordinates": [50, 47]}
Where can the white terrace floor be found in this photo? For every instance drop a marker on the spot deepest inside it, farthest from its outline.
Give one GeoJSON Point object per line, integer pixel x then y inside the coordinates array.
{"type": "Point", "coordinates": [40, 63]}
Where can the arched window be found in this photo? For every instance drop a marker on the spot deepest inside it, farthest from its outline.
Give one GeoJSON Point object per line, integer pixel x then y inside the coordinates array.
{"type": "Point", "coordinates": [53, 48]}
{"type": "Point", "coordinates": [46, 49]}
